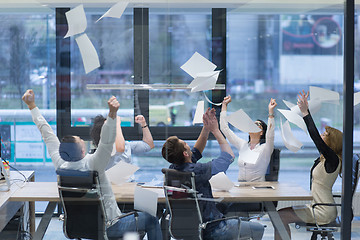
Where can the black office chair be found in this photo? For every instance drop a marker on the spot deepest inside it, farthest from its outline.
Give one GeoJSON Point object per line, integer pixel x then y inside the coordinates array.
{"type": "Point", "coordinates": [183, 205]}
{"type": "Point", "coordinates": [84, 209]}
{"type": "Point", "coordinates": [272, 173]}
{"type": "Point", "coordinates": [326, 231]}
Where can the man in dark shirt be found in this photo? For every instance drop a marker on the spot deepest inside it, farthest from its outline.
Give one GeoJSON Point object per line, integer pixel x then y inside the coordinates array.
{"type": "Point", "coordinates": [182, 158]}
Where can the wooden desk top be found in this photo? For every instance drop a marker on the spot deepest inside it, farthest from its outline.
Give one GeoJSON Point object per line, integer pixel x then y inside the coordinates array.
{"type": "Point", "coordinates": [47, 191]}
{"type": "Point", "coordinates": [15, 178]}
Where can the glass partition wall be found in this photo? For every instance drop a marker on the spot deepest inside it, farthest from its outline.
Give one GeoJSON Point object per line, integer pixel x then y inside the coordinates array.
{"type": "Point", "coordinates": [264, 50]}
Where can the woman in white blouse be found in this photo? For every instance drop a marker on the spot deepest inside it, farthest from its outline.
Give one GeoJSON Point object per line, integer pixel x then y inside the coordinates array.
{"type": "Point", "coordinates": [260, 145]}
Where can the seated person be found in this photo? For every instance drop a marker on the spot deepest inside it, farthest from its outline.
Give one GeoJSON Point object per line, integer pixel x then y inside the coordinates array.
{"type": "Point", "coordinates": [182, 158]}
{"type": "Point", "coordinates": [261, 142]}
{"type": "Point", "coordinates": [323, 173]}
{"type": "Point", "coordinates": [70, 154]}
{"type": "Point", "coordinates": [123, 150]}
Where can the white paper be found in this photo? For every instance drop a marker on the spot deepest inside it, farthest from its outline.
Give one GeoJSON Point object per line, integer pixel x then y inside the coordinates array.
{"type": "Point", "coordinates": [294, 118]}
{"type": "Point", "coordinates": [249, 156]}
{"type": "Point", "coordinates": [289, 104]}
{"type": "Point", "coordinates": [356, 98]}
{"type": "Point", "coordinates": [221, 182]}
{"type": "Point", "coordinates": [121, 172]}
{"type": "Point", "coordinates": [115, 11]}
{"type": "Point", "coordinates": [198, 117]}
{"type": "Point", "coordinates": [145, 200]}
{"type": "Point", "coordinates": [88, 52]}
{"type": "Point", "coordinates": [243, 122]}
{"type": "Point", "coordinates": [288, 138]}
{"type": "Point", "coordinates": [324, 95]}
{"type": "Point", "coordinates": [197, 64]}
{"type": "Point", "coordinates": [204, 81]}
{"type": "Point", "coordinates": [76, 19]}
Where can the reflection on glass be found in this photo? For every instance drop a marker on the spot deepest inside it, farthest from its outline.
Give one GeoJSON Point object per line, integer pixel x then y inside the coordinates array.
{"type": "Point", "coordinates": [175, 35]}
{"type": "Point", "coordinates": [113, 41]}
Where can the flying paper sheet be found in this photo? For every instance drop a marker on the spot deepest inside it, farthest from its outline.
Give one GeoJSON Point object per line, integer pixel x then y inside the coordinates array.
{"type": "Point", "coordinates": [197, 64]}
{"type": "Point", "coordinates": [198, 117]}
{"type": "Point", "coordinates": [207, 99]}
{"type": "Point", "coordinates": [288, 138]}
{"type": "Point", "coordinates": [289, 104]}
{"type": "Point", "coordinates": [243, 122]}
{"type": "Point", "coordinates": [294, 118]}
{"type": "Point", "coordinates": [76, 19]}
{"type": "Point", "coordinates": [88, 53]}
{"type": "Point", "coordinates": [356, 98]}
{"type": "Point", "coordinates": [249, 156]}
{"type": "Point", "coordinates": [221, 182]}
{"type": "Point", "coordinates": [121, 172]}
{"type": "Point", "coordinates": [115, 11]}
{"type": "Point", "coordinates": [145, 200]}
{"type": "Point", "coordinates": [324, 95]}
{"type": "Point", "coordinates": [204, 81]}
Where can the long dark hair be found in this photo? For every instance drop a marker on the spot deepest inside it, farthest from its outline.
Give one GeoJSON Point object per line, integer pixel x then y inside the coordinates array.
{"type": "Point", "coordinates": [264, 128]}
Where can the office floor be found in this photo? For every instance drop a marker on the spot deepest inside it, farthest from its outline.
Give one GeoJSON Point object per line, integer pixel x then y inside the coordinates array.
{"type": "Point", "coordinates": [54, 231]}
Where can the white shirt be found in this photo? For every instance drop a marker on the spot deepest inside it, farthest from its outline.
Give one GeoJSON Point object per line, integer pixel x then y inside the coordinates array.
{"type": "Point", "coordinates": [247, 171]}
{"type": "Point", "coordinates": [91, 162]}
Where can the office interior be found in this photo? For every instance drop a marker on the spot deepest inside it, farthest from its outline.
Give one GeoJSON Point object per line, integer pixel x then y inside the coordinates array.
{"type": "Point", "coordinates": [263, 49]}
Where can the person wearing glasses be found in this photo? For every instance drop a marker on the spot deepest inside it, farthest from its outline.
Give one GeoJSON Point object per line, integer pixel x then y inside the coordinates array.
{"type": "Point", "coordinates": [260, 143]}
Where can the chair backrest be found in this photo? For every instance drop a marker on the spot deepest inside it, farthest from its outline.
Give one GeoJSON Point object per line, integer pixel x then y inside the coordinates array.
{"type": "Point", "coordinates": [82, 203]}
{"type": "Point", "coordinates": [272, 173]}
{"type": "Point", "coordinates": [182, 203]}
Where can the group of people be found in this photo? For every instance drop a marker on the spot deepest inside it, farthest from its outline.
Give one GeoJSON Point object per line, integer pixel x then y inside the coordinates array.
{"type": "Point", "coordinates": [111, 148]}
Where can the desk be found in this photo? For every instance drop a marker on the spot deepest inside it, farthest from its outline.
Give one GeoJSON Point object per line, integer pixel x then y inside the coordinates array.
{"type": "Point", "coordinates": [9, 209]}
{"type": "Point", "coordinates": [47, 191]}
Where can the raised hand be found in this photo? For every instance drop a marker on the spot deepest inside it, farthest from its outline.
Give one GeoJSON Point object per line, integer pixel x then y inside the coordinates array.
{"type": "Point", "coordinates": [272, 105]}
{"type": "Point", "coordinates": [140, 119]}
{"type": "Point", "coordinates": [113, 107]}
{"type": "Point", "coordinates": [225, 102]}
{"type": "Point", "coordinates": [29, 98]}
{"type": "Point", "coordinates": [303, 103]}
{"type": "Point", "coordinates": [210, 121]}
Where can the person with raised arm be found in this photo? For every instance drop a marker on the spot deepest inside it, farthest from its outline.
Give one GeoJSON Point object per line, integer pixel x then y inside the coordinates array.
{"type": "Point", "coordinates": [70, 154]}
{"type": "Point", "coordinates": [323, 173]}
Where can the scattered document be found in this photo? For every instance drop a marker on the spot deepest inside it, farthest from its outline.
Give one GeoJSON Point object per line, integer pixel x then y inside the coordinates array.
{"type": "Point", "coordinates": [115, 11]}
{"type": "Point", "coordinates": [197, 64]}
{"type": "Point", "coordinates": [88, 52]}
{"type": "Point", "coordinates": [314, 106]}
{"type": "Point", "coordinates": [198, 117]}
{"type": "Point", "coordinates": [294, 118]}
{"type": "Point", "coordinates": [76, 19]}
{"type": "Point", "coordinates": [202, 70]}
{"type": "Point", "coordinates": [324, 95]}
{"type": "Point", "coordinates": [288, 138]}
{"type": "Point", "coordinates": [248, 155]}
{"type": "Point", "coordinates": [204, 81]}
{"type": "Point", "coordinates": [356, 98]}
{"type": "Point", "coordinates": [145, 200]}
{"type": "Point", "coordinates": [243, 122]}
{"type": "Point", "coordinates": [121, 172]}
{"type": "Point", "coordinates": [221, 182]}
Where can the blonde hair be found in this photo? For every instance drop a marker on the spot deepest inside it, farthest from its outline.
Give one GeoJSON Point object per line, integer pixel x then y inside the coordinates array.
{"type": "Point", "coordinates": [334, 141]}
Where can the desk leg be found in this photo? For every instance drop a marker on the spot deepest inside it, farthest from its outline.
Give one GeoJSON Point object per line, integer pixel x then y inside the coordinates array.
{"type": "Point", "coordinates": [45, 220]}
{"type": "Point", "coordinates": [32, 217]}
{"type": "Point", "coordinates": [276, 220]}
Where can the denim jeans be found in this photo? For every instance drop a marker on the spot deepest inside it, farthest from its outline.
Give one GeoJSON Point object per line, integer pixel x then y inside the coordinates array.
{"type": "Point", "coordinates": [145, 222]}
{"type": "Point", "coordinates": [229, 229]}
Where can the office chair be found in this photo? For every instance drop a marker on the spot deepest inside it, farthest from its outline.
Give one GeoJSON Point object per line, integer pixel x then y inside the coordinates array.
{"type": "Point", "coordinates": [182, 202]}
{"type": "Point", "coordinates": [272, 173]}
{"type": "Point", "coordinates": [84, 209]}
{"type": "Point", "coordinates": [326, 231]}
